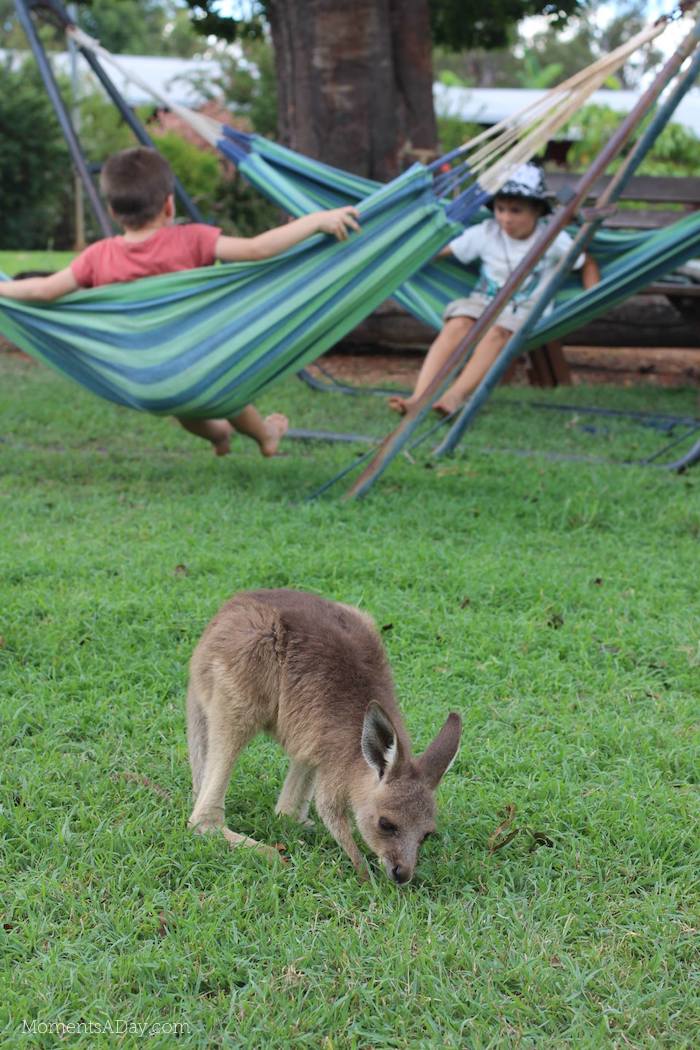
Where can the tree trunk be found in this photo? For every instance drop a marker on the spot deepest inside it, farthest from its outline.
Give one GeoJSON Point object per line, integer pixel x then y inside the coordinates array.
{"type": "Point", "coordinates": [355, 82]}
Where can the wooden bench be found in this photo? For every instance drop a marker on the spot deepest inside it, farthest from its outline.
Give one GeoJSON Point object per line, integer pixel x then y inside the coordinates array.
{"type": "Point", "coordinates": [653, 191]}
{"type": "Point", "coordinates": [547, 365]}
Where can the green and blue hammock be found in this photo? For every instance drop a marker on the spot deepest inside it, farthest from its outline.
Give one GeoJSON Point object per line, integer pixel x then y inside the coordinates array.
{"type": "Point", "coordinates": [204, 343]}
{"type": "Point", "coordinates": [629, 260]}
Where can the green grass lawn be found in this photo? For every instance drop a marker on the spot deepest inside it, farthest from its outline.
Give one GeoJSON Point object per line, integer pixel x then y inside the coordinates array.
{"type": "Point", "coordinates": [553, 603]}
{"type": "Point", "coordinates": [14, 262]}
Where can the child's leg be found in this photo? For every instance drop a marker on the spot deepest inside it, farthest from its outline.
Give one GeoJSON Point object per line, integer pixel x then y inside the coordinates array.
{"type": "Point", "coordinates": [216, 431]}
{"type": "Point", "coordinates": [451, 335]}
{"type": "Point", "coordinates": [474, 371]}
{"type": "Point", "coordinates": [267, 432]}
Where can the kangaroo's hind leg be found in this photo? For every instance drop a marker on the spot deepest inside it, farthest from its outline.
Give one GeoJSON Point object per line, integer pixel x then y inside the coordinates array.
{"type": "Point", "coordinates": [227, 733]}
{"type": "Point", "coordinates": [196, 738]}
{"type": "Point", "coordinates": [297, 792]}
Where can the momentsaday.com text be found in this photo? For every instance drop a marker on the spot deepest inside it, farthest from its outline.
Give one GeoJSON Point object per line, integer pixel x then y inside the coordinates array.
{"type": "Point", "coordinates": [119, 1026]}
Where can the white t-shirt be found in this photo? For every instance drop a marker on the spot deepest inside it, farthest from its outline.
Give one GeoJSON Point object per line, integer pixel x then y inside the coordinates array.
{"type": "Point", "coordinates": [500, 255]}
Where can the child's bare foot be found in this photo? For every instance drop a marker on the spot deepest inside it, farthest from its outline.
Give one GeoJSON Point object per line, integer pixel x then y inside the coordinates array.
{"type": "Point", "coordinates": [276, 426]}
{"type": "Point", "coordinates": [400, 404]}
{"type": "Point", "coordinates": [221, 437]}
{"type": "Point", "coordinates": [447, 405]}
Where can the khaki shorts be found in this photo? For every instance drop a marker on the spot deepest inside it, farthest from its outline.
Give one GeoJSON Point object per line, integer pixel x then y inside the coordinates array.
{"type": "Point", "coordinates": [474, 305]}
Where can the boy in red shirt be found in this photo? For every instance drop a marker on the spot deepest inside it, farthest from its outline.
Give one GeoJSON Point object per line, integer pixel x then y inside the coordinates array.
{"type": "Point", "coordinates": [138, 186]}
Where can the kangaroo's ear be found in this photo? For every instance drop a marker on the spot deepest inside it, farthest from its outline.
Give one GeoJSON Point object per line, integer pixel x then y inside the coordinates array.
{"type": "Point", "coordinates": [439, 756]}
{"type": "Point", "coordinates": [379, 743]}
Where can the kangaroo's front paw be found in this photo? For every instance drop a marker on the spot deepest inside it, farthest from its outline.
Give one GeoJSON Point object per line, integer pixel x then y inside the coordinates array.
{"type": "Point", "coordinates": [362, 870]}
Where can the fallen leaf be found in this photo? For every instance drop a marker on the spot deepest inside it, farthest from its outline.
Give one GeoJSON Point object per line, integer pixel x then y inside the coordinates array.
{"type": "Point", "coordinates": [163, 928]}
{"type": "Point", "coordinates": [497, 840]}
{"type": "Point", "coordinates": [136, 778]}
{"type": "Point", "coordinates": [539, 839]}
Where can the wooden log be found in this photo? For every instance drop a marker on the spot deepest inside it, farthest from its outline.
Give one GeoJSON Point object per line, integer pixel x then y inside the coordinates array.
{"type": "Point", "coordinates": [643, 320]}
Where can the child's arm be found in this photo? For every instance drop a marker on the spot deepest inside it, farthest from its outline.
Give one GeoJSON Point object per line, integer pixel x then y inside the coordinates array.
{"type": "Point", "coordinates": [243, 249]}
{"type": "Point", "coordinates": [41, 289]}
{"type": "Point", "coordinates": [590, 272]}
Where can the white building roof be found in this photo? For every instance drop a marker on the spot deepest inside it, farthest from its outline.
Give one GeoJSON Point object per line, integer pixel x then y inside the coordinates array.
{"type": "Point", "coordinates": [182, 80]}
{"type": "Point", "coordinates": [490, 105]}
{"type": "Point", "coordinates": [177, 78]}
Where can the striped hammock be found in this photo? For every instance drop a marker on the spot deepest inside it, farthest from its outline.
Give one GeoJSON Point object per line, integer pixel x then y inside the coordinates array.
{"type": "Point", "coordinates": [628, 261]}
{"type": "Point", "coordinates": [204, 343]}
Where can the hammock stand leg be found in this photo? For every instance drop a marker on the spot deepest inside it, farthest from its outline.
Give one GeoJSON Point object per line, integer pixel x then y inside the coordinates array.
{"type": "Point", "coordinates": [395, 441]}
{"type": "Point", "coordinates": [331, 385]}
{"type": "Point", "coordinates": [64, 120]}
{"type": "Point", "coordinates": [682, 464]}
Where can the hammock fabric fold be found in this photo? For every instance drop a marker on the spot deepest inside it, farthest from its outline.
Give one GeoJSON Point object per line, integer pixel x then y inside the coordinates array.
{"type": "Point", "coordinates": [204, 343]}
{"type": "Point", "coordinates": [628, 261]}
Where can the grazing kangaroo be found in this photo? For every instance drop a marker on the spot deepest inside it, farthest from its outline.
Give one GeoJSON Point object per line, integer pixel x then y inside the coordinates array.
{"type": "Point", "coordinates": [314, 675]}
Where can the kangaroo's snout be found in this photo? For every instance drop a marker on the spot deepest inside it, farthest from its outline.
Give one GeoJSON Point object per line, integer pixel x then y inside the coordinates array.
{"type": "Point", "coordinates": [400, 875]}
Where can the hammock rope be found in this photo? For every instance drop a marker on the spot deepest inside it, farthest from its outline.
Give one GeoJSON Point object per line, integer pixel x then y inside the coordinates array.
{"type": "Point", "coordinates": [501, 148]}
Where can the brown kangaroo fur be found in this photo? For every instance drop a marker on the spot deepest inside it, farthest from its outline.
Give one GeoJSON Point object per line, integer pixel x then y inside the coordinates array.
{"type": "Point", "coordinates": [314, 675]}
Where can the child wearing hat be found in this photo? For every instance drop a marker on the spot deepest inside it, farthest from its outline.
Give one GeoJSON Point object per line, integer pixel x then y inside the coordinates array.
{"type": "Point", "coordinates": [500, 244]}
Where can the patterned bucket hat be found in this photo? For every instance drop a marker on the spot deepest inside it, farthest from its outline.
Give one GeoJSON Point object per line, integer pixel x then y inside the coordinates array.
{"type": "Point", "coordinates": [527, 182]}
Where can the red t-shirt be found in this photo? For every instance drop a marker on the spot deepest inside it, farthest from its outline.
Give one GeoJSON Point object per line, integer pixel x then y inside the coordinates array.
{"type": "Point", "coordinates": [170, 248]}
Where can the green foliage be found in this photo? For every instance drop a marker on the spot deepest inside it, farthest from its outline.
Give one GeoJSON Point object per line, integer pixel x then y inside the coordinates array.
{"type": "Point", "coordinates": [249, 86]}
{"type": "Point", "coordinates": [34, 167]}
{"type": "Point", "coordinates": [459, 24]}
{"type": "Point", "coordinates": [552, 54]}
{"type": "Point", "coordinates": [451, 79]}
{"type": "Point", "coordinates": [453, 132]}
{"type": "Point", "coordinates": [102, 130]}
{"type": "Point", "coordinates": [247, 24]}
{"type": "Point", "coordinates": [140, 27]}
{"type": "Point", "coordinates": [199, 170]}
{"type": "Point", "coordinates": [536, 74]}
{"type": "Point", "coordinates": [675, 152]}
{"type": "Point", "coordinates": [589, 36]}
{"type": "Point", "coordinates": [554, 604]}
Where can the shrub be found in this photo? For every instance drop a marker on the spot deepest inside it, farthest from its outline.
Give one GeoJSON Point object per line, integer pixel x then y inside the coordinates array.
{"type": "Point", "coordinates": [675, 152]}
{"type": "Point", "coordinates": [35, 171]}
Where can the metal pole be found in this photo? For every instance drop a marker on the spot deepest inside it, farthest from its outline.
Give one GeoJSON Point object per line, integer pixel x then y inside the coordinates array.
{"type": "Point", "coordinates": [393, 444]}
{"type": "Point", "coordinates": [691, 457]}
{"type": "Point", "coordinates": [63, 117]}
{"type": "Point", "coordinates": [611, 193]}
{"type": "Point", "coordinates": [79, 207]}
